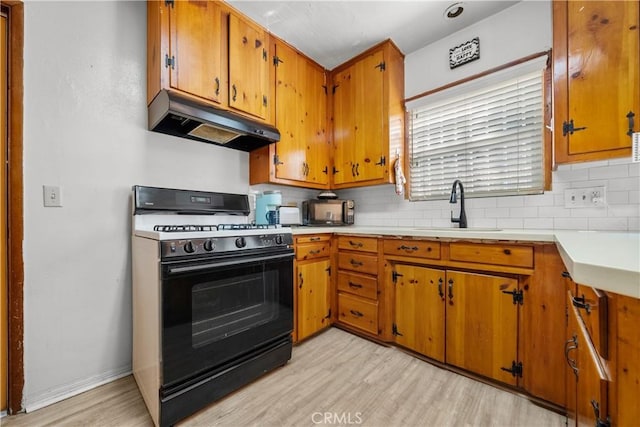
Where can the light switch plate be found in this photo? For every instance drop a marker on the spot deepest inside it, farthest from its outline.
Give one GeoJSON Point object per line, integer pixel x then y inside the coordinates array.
{"type": "Point", "coordinates": [52, 196]}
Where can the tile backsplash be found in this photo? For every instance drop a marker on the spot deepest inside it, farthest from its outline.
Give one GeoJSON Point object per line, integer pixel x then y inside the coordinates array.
{"type": "Point", "coordinates": [380, 206]}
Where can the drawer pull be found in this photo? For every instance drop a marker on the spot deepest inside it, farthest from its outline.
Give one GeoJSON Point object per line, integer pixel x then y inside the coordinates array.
{"type": "Point", "coordinates": [300, 281]}
{"type": "Point", "coordinates": [507, 251]}
{"type": "Point", "coordinates": [316, 252]}
{"type": "Point", "coordinates": [356, 313]}
{"type": "Point", "coordinates": [314, 239]}
{"type": "Point", "coordinates": [355, 285]}
{"type": "Point", "coordinates": [355, 244]}
{"type": "Point", "coordinates": [407, 248]}
{"type": "Point", "coordinates": [355, 263]}
{"type": "Point", "coordinates": [451, 290]}
{"type": "Point", "coordinates": [581, 302]}
{"type": "Point", "coordinates": [440, 291]}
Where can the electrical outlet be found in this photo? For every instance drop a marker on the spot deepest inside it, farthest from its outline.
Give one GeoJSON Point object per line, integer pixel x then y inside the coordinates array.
{"type": "Point", "coordinates": [52, 196]}
{"type": "Point", "coordinates": [592, 197]}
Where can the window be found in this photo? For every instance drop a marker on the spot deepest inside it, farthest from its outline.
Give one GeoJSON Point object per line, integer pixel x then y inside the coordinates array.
{"type": "Point", "coordinates": [488, 132]}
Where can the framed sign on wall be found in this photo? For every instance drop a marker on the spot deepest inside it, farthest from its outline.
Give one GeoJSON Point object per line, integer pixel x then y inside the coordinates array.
{"type": "Point", "coordinates": [466, 52]}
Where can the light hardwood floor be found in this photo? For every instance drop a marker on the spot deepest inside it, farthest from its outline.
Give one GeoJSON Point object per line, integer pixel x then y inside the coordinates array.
{"type": "Point", "coordinates": [335, 378]}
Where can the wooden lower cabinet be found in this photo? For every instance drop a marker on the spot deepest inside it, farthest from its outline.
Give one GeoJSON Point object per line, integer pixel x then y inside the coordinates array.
{"type": "Point", "coordinates": [482, 324]}
{"type": "Point", "coordinates": [588, 380]}
{"type": "Point", "coordinates": [313, 287]}
{"type": "Point", "coordinates": [419, 309]}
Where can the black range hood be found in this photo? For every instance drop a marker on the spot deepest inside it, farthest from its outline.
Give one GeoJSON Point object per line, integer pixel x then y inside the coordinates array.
{"type": "Point", "coordinates": [175, 114]}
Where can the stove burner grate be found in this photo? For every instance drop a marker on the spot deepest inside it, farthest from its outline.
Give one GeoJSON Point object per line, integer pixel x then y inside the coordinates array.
{"type": "Point", "coordinates": [219, 227]}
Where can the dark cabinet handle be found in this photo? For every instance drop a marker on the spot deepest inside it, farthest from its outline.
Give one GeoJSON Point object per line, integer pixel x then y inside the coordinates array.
{"type": "Point", "coordinates": [630, 117]}
{"type": "Point", "coordinates": [314, 239]}
{"type": "Point", "coordinates": [234, 92]}
{"type": "Point", "coordinates": [440, 291]}
{"type": "Point", "coordinates": [326, 170]}
{"type": "Point", "coordinates": [356, 313]}
{"type": "Point", "coordinates": [450, 289]}
{"type": "Point", "coordinates": [315, 252]}
{"type": "Point", "coordinates": [355, 263]}
{"type": "Point", "coordinates": [355, 285]}
{"type": "Point", "coordinates": [357, 166]}
{"type": "Point", "coordinates": [355, 244]}
{"type": "Point", "coordinates": [217, 80]}
{"type": "Point", "coordinates": [300, 280]}
{"type": "Point", "coordinates": [353, 170]}
{"type": "Point", "coordinates": [567, 348]}
{"type": "Point", "coordinates": [407, 248]}
{"type": "Point", "coordinates": [582, 303]}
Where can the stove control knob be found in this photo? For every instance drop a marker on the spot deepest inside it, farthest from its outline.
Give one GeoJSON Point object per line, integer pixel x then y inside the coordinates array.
{"type": "Point", "coordinates": [241, 242]}
{"type": "Point", "coordinates": [189, 248]}
{"type": "Point", "coordinates": [278, 239]}
{"type": "Point", "coordinates": [209, 245]}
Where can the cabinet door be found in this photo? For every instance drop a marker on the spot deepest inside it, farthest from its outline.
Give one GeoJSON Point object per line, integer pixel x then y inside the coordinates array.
{"type": "Point", "coordinates": [591, 398]}
{"type": "Point", "coordinates": [344, 126]}
{"type": "Point", "coordinates": [313, 284]}
{"type": "Point", "coordinates": [482, 324]}
{"type": "Point", "coordinates": [370, 134]}
{"type": "Point", "coordinates": [291, 147]}
{"type": "Point", "coordinates": [196, 49]}
{"type": "Point", "coordinates": [314, 121]}
{"type": "Point", "coordinates": [419, 309]}
{"type": "Point", "coordinates": [597, 73]}
{"type": "Point", "coordinates": [248, 67]}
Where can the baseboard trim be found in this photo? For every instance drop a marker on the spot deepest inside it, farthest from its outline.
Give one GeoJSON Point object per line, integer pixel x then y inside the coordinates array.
{"type": "Point", "coordinates": [69, 390]}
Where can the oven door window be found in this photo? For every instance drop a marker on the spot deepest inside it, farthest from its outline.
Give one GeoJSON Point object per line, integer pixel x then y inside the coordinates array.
{"type": "Point", "coordinates": [225, 307]}
{"type": "Point", "coordinates": [215, 312]}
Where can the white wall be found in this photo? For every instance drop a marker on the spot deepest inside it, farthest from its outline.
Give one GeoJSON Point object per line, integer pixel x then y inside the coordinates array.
{"type": "Point", "coordinates": [516, 32]}
{"type": "Point", "coordinates": [85, 130]}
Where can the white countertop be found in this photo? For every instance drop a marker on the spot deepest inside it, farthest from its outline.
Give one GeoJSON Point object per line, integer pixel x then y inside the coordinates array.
{"type": "Point", "coordinates": [605, 260]}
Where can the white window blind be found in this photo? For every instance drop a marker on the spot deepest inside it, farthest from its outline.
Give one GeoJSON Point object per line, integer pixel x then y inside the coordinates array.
{"type": "Point", "coordinates": [490, 137]}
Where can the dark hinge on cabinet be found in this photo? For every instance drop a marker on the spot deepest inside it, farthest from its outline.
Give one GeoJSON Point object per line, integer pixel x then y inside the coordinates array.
{"type": "Point", "coordinates": [566, 275]}
{"type": "Point", "coordinates": [596, 412]}
{"type": "Point", "coordinates": [382, 162]}
{"type": "Point", "coordinates": [277, 61]}
{"type": "Point", "coordinates": [581, 302]}
{"type": "Point", "coordinates": [328, 316]}
{"type": "Point", "coordinates": [335, 171]}
{"type": "Point", "coordinates": [328, 270]}
{"type": "Point", "coordinates": [568, 128]}
{"type": "Point", "coordinates": [516, 369]}
{"type": "Point", "coordinates": [169, 3]}
{"type": "Point", "coordinates": [333, 89]}
{"type": "Point", "coordinates": [382, 66]}
{"type": "Point", "coordinates": [276, 160]}
{"type": "Point", "coordinates": [395, 275]}
{"type": "Point", "coordinates": [264, 53]}
{"type": "Point", "coordinates": [325, 89]}
{"type": "Point", "coordinates": [326, 170]}
{"type": "Point", "coordinates": [264, 100]}
{"type": "Point", "coordinates": [518, 296]}
{"type": "Point", "coordinates": [394, 330]}
{"type": "Point", "coordinates": [169, 62]}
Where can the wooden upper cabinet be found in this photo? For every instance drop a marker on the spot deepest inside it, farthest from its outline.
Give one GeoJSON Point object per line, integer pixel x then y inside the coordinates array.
{"type": "Point", "coordinates": [368, 117]}
{"type": "Point", "coordinates": [248, 67]}
{"type": "Point", "coordinates": [195, 57]}
{"type": "Point", "coordinates": [302, 156]}
{"type": "Point", "coordinates": [596, 47]}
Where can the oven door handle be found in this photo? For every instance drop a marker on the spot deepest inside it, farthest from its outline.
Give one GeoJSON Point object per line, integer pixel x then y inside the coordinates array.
{"type": "Point", "coordinates": [209, 266]}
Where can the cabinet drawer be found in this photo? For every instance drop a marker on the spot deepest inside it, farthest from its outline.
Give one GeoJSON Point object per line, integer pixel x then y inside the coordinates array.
{"type": "Point", "coordinates": [509, 255]}
{"type": "Point", "coordinates": [358, 284]}
{"type": "Point", "coordinates": [414, 248]}
{"type": "Point", "coordinates": [358, 312]}
{"type": "Point", "coordinates": [313, 239]}
{"type": "Point", "coordinates": [358, 262]}
{"type": "Point", "coordinates": [313, 250]}
{"type": "Point", "coordinates": [592, 306]}
{"type": "Point", "coordinates": [364, 244]}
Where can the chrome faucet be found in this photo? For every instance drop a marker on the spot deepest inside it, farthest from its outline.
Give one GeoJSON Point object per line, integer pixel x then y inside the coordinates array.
{"type": "Point", "coordinates": [462, 219]}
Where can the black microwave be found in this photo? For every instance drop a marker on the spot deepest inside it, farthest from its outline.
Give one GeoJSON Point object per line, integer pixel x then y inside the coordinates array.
{"type": "Point", "coordinates": [327, 212]}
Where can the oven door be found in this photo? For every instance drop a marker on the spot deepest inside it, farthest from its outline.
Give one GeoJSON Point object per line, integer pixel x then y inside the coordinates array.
{"type": "Point", "coordinates": [215, 311]}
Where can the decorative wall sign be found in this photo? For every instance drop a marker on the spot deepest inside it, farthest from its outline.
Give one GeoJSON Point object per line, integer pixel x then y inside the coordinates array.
{"type": "Point", "coordinates": [466, 52]}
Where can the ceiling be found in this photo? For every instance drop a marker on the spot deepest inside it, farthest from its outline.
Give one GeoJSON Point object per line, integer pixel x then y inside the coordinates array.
{"type": "Point", "coordinates": [332, 32]}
